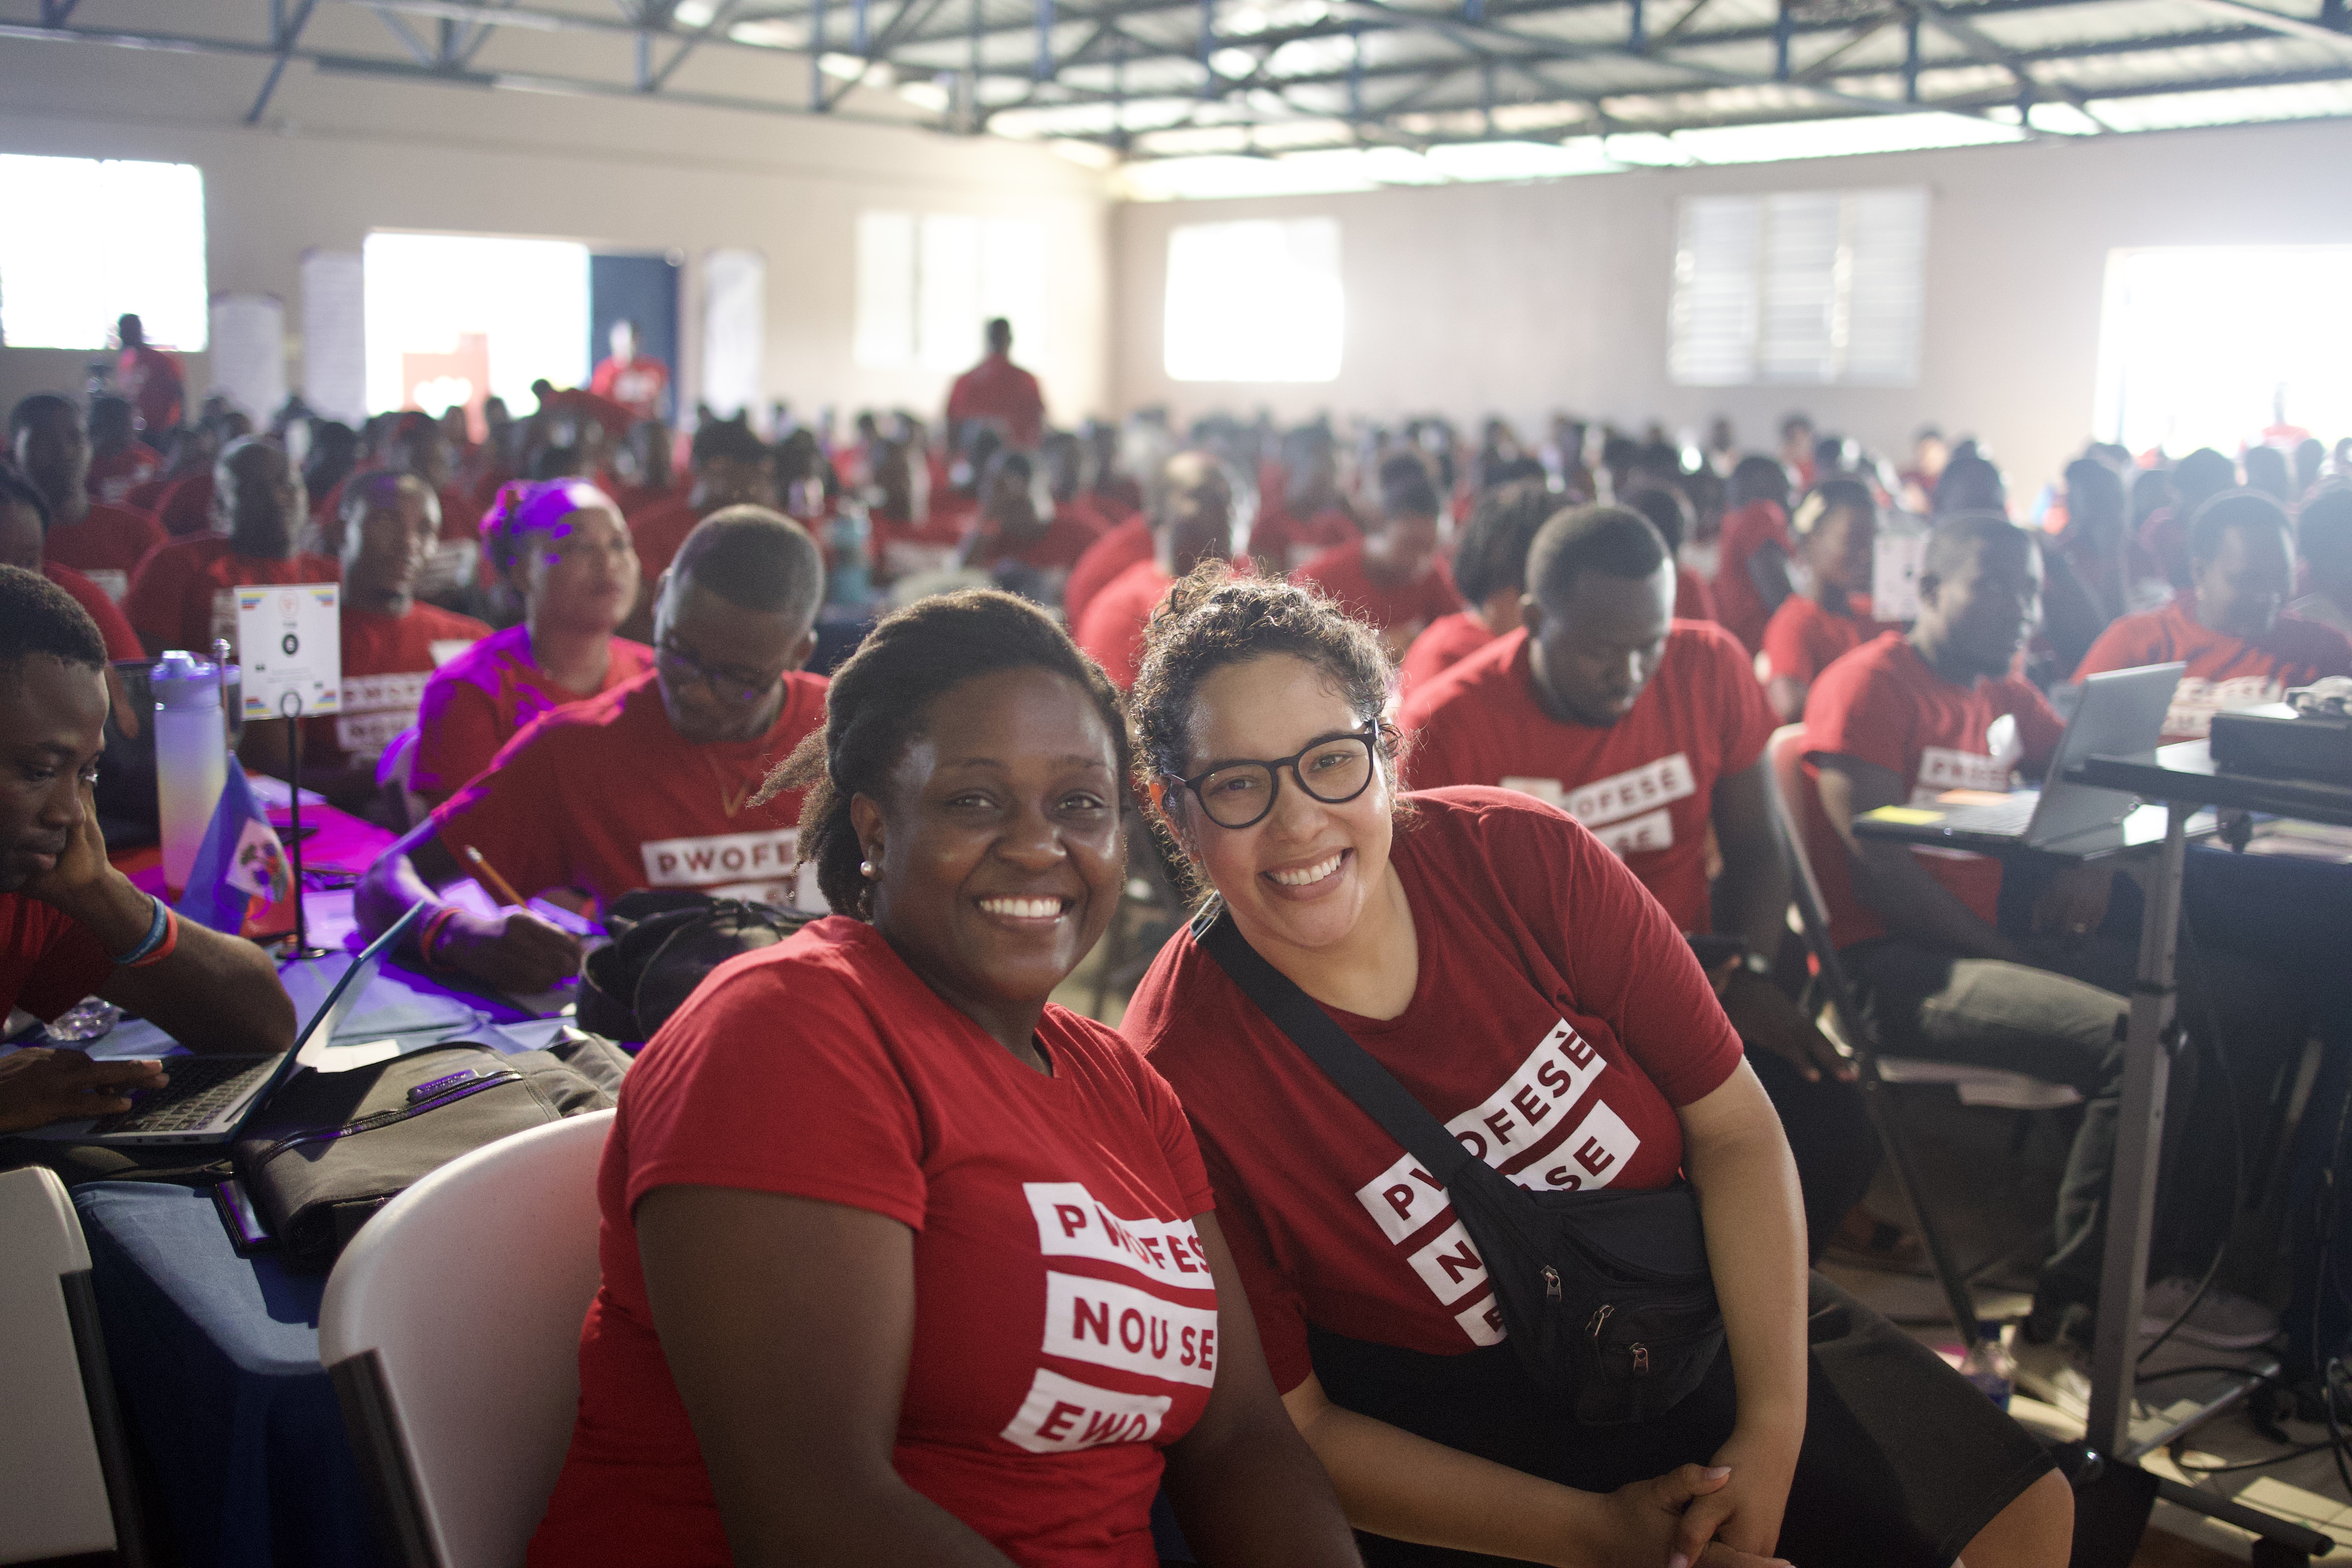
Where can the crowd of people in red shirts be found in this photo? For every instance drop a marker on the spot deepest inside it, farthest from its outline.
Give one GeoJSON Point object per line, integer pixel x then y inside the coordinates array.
{"type": "Point", "coordinates": [576, 646]}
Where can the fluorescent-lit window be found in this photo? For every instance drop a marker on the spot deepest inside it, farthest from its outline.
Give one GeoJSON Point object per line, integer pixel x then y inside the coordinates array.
{"type": "Point", "coordinates": [452, 318]}
{"type": "Point", "coordinates": [1254, 300]}
{"type": "Point", "coordinates": [1801, 287]}
{"type": "Point", "coordinates": [113, 236]}
{"type": "Point", "coordinates": [926, 283]}
{"type": "Point", "coordinates": [2225, 346]}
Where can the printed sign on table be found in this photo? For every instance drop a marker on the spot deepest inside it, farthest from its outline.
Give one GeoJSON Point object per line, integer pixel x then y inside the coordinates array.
{"type": "Point", "coordinates": [289, 642]}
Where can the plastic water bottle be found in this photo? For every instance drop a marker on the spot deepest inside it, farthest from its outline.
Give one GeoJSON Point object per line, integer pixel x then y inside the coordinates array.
{"type": "Point", "coordinates": [191, 757]}
{"type": "Point", "coordinates": [1990, 1366]}
{"type": "Point", "coordinates": [848, 579]}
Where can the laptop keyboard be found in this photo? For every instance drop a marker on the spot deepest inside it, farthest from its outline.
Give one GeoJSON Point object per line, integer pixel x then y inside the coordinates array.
{"type": "Point", "coordinates": [201, 1088]}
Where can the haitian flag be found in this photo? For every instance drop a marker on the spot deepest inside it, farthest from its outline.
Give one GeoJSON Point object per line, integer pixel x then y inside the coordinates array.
{"type": "Point", "coordinates": [239, 864]}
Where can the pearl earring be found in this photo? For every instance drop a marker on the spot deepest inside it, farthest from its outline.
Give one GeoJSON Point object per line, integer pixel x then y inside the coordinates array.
{"type": "Point", "coordinates": [865, 868]}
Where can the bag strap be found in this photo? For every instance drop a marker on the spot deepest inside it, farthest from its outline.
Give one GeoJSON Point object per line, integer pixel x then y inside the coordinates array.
{"type": "Point", "coordinates": [1372, 1087]}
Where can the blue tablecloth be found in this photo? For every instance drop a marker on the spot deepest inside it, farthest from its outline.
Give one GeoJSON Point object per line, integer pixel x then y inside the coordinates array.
{"type": "Point", "coordinates": [217, 1357]}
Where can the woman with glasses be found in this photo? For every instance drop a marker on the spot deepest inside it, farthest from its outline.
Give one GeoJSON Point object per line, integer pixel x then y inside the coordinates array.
{"type": "Point", "coordinates": [1515, 977]}
{"type": "Point", "coordinates": [560, 547]}
{"type": "Point", "coordinates": [902, 1263]}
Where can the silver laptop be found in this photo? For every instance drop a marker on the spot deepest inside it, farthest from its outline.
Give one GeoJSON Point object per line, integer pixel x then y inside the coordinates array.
{"type": "Point", "coordinates": [2118, 714]}
{"type": "Point", "coordinates": [211, 1096]}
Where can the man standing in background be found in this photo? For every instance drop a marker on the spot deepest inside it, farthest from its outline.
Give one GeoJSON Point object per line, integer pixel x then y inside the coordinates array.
{"type": "Point", "coordinates": [999, 392]}
{"type": "Point", "coordinates": [149, 377]}
{"type": "Point", "coordinates": [629, 378]}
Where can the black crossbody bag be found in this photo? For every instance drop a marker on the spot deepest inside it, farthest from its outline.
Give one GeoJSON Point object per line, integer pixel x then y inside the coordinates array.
{"type": "Point", "coordinates": [1605, 1295]}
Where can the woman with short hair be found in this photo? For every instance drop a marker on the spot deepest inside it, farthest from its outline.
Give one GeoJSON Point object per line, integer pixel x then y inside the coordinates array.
{"type": "Point", "coordinates": [1512, 974]}
{"type": "Point", "coordinates": [903, 1264]}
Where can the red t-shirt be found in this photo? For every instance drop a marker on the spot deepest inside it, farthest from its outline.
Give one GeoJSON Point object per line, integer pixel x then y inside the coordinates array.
{"type": "Point", "coordinates": [605, 796]}
{"type": "Point", "coordinates": [1291, 541]}
{"type": "Point", "coordinates": [48, 960]}
{"type": "Point", "coordinates": [1693, 602]}
{"type": "Point", "coordinates": [1065, 540]}
{"type": "Point", "coordinates": [122, 642]}
{"type": "Point", "coordinates": [475, 702]}
{"type": "Point", "coordinates": [180, 596]}
{"type": "Point", "coordinates": [152, 380]}
{"type": "Point", "coordinates": [2223, 671]}
{"type": "Point", "coordinates": [148, 495]}
{"type": "Point", "coordinates": [636, 386]}
{"type": "Point", "coordinates": [1443, 644]}
{"type": "Point", "coordinates": [108, 538]}
{"type": "Point", "coordinates": [114, 475]}
{"type": "Point", "coordinates": [1881, 703]}
{"type": "Point", "coordinates": [386, 661]}
{"type": "Point", "coordinates": [1064, 1327]}
{"type": "Point", "coordinates": [1340, 573]}
{"type": "Point", "coordinates": [1112, 632]}
{"type": "Point", "coordinates": [1558, 1022]}
{"type": "Point", "coordinates": [1746, 530]}
{"type": "Point", "coordinates": [998, 389]}
{"type": "Point", "coordinates": [941, 530]}
{"type": "Point", "coordinates": [1646, 783]}
{"type": "Point", "coordinates": [1110, 555]}
{"type": "Point", "coordinates": [185, 508]}
{"type": "Point", "coordinates": [1802, 639]}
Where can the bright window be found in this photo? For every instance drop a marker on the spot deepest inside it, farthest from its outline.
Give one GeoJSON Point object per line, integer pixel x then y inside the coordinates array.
{"type": "Point", "coordinates": [1804, 287]}
{"type": "Point", "coordinates": [1254, 300]}
{"type": "Point", "coordinates": [2221, 345]}
{"type": "Point", "coordinates": [926, 284]}
{"type": "Point", "coordinates": [113, 236]}
{"type": "Point", "coordinates": [452, 317]}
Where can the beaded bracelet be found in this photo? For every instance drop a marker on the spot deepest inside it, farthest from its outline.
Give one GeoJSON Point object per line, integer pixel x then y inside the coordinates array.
{"type": "Point", "coordinates": [159, 924]}
{"type": "Point", "coordinates": [434, 924]}
{"type": "Point", "coordinates": [163, 948]}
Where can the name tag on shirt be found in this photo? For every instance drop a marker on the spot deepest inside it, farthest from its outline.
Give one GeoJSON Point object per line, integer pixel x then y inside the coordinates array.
{"type": "Point", "coordinates": [113, 584]}
{"type": "Point", "coordinates": [2194, 702]}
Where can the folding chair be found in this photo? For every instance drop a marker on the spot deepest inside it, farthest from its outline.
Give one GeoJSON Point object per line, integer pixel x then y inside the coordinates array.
{"type": "Point", "coordinates": [64, 1470]}
{"type": "Point", "coordinates": [451, 1327]}
{"type": "Point", "coordinates": [1787, 750]}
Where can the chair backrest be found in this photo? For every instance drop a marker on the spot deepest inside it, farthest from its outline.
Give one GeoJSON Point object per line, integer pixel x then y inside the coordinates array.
{"type": "Point", "coordinates": [54, 1495]}
{"type": "Point", "coordinates": [451, 1327]}
{"type": "Point", "coordinates": [1787, 750]}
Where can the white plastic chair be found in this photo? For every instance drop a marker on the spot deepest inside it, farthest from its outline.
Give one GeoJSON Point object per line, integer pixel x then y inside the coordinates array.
{"type": "Point", "coordinates": [451, 1327]}
{"type": "Point", "coordinates": [65, 1475]}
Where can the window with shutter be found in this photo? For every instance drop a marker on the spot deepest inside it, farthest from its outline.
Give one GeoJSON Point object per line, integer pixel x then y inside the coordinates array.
{"type": "Point", "coordinates": [1801, 287]}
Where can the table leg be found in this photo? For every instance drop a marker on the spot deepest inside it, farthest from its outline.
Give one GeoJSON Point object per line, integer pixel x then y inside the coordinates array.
{"type": "Point", "coordinates": [2139, 1138]}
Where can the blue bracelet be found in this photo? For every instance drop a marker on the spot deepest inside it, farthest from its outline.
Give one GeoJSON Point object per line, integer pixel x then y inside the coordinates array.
{"type": "Point", "coordinates": [152, 940]}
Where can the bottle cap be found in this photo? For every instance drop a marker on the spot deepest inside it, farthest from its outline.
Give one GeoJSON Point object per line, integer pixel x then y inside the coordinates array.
{"type": "Point", "coordinates": [184, 683]}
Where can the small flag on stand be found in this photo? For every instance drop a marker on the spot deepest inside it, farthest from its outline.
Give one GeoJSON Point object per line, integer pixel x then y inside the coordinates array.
{"type": "Point", "coordinates": [241, 870]}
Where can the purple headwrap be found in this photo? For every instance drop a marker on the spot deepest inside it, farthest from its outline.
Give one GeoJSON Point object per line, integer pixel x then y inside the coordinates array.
{"type": "Point", "coordinates": [523, 505]}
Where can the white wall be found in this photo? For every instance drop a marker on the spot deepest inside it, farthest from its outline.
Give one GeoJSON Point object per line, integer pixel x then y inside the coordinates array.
{"type": "Point", "coordinates": [341, 157]}
{"type": "Point", "coordinates": [1519, 300]}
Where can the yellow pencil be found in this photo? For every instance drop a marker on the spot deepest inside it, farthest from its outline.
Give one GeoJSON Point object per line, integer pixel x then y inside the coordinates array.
{"type": "Point", "coordinates": [488, 875]}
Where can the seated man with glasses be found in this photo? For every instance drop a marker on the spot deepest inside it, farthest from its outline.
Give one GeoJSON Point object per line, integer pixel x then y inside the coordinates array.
{"type": "Point", "coordinates": [652, 784]}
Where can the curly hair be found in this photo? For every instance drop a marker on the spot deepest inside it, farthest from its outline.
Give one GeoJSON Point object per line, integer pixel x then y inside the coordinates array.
{"type": "Point", "coordinates": [877, 701]}
{"type": "Point", "coordinates": [1213, 618]}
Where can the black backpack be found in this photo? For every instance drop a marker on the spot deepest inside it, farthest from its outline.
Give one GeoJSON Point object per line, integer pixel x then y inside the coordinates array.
{"type": "Point", "coordinates": [664, 943]}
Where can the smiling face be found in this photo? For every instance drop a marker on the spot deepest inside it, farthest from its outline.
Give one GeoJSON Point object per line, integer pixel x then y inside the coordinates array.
{"type": "Point", "coordinates": [1304, 875]}
{"type": "Point", "coordinates": [998, 844]}
{"type": "Point", "coordinates": [52, 728]}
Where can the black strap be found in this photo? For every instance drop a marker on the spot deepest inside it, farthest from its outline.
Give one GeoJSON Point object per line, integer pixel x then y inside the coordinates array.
{"type": "Point", "coordinates": [1362, 1080]}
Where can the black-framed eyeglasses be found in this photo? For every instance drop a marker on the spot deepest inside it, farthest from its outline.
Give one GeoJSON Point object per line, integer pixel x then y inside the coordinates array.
{"type": "Point", "coordinates": [1334, 770]}
{"type": "Point", "coordinates": [726, 682]}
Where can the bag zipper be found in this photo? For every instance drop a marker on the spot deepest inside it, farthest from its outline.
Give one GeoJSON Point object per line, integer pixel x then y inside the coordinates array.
{"type": "Point", "coordinates": [1640, 1359]}
{"type": "Point", "coordinates": [1551, 1282]}
{"type": "Point", "coordinates": [386, 1118]}
{"type": "Point", "coordinates": [1600, 1319]}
